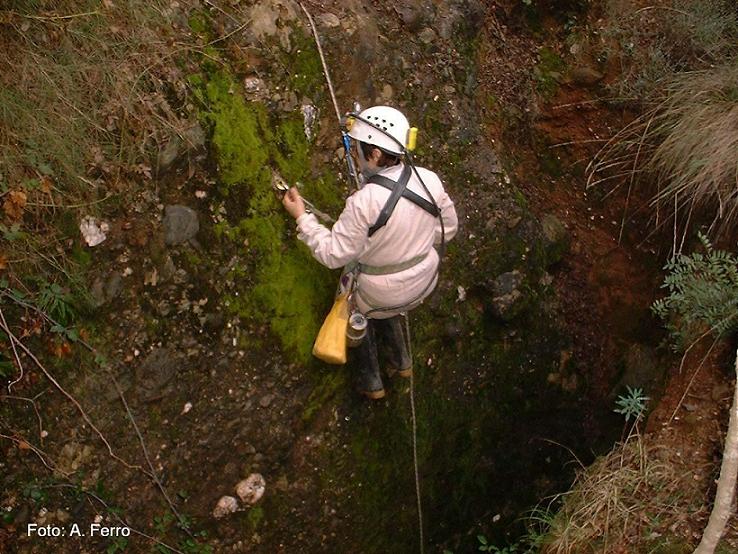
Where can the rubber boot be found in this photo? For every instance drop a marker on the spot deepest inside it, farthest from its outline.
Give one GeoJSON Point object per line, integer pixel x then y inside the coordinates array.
{"type": "Point", "coordinates": [368, 379]}
{"type": "Point", "coordinates": [394, 346]}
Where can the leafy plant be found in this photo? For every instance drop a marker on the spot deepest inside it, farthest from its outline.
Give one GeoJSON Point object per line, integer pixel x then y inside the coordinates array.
{"type": "Point", "coordinates": [632, 404]}
{"type": "Point", "coordinates": [702, 295]}
{"type": "Point", "coordinates": [6, 366]}
{"type": "Point", "coordinates": [12, 233]}
{"type": "Point", "coordinates": [56, 302]}
{"type": "Point", "coordinates": [485, 546]}
{"type": "Point", "coordinates": [117, 545]}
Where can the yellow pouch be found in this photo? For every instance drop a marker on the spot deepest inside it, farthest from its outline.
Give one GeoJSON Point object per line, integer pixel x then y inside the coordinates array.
{"type": "Point", "coordinates": [330, 344]}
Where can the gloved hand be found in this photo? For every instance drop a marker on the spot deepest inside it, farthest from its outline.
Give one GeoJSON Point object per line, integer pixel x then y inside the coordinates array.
{"type": "Point", "coordinates": [293, 203]}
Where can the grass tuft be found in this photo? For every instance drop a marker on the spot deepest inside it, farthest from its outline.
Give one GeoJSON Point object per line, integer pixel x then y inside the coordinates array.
{"type": "Point", "coordinates": [685, 147]}
{"type": "Point", "coordinates": [627, 500]}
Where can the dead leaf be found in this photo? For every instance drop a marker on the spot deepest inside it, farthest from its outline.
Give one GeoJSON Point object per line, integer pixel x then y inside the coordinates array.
{"type": "Point", "coordinates": [23, 445]}
{"type": "Point", "coordinates": [3, 262]}
{"type": "Point", "coordinates": [14, 204]}
{"type": "Point", "coordinates": [46, 184]}
{"type": "Point", "coordinates": [61, 349]}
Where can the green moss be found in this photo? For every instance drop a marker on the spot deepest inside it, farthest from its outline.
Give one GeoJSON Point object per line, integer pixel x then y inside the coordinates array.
{"type": "Point", "coordinates": [548, 72]}
{"type": "Point", "coordinates": [240, 132]}
{"type": "Point", "coordinates": [193, 258]}
{"type": "Point", "coordinates": [200, 24]}
{"type": "Point", "coordinates": [329, 383]}
{"type": "Point", "coordinates": [81, 256]}
{"type": "Point", "coordinates": [292, 149]}
{"type": "Point", "coordinates": [283, 284]}
{"type": "Point", "coordinates": [255, 517]}
{"type": "Point", "coordinates": [302, 63]}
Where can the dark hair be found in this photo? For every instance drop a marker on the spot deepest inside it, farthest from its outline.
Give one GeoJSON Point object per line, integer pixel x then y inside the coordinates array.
{"type": "Point", "coordinates": [385, 160]}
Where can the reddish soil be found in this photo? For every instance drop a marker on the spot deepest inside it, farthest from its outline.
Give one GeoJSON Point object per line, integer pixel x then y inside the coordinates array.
{"type": "Point", "coordinates": [611, 276]}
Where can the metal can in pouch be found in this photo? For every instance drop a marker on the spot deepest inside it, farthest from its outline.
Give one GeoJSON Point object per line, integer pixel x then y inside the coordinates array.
{"type": "Point", "coordinates": [356, 329]}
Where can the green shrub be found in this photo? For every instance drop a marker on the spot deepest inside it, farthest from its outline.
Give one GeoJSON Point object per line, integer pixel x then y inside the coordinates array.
{"type": "Point", "coordinates": [702, 295]}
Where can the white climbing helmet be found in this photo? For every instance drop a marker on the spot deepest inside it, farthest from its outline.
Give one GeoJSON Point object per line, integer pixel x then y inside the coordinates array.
{"type": "Point", "coordinates": [383, 121]}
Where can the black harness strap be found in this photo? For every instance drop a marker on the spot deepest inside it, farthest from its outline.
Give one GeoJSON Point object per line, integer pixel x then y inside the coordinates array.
{"type": "Point", "coordinates": [399, 189]}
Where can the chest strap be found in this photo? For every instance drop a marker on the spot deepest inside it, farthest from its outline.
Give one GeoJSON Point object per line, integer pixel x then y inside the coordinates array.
{"type": "Point", "coordinates": [398, 189]}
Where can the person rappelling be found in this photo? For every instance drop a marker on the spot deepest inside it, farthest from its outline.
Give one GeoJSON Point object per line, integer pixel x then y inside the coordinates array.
{"type": "Point", "coordinates": [385, 238]}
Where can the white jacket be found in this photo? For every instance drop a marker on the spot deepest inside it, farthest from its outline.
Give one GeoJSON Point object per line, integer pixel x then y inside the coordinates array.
{"type": "Point", "coordinates": [410, 233]}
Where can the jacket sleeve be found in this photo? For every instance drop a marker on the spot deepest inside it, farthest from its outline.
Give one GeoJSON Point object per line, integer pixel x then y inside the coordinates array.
{"type": "Point", "coordinates": [448, 215]}
{"type": "Point", "coordinates": [344, 242]}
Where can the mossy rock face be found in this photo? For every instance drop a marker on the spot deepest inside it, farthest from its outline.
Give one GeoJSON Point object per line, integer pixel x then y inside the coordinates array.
{"type": "Point", "coordinates": [279, 282]}
{"type": "Point", "coordinates": [480, 397]}
{"type": "Point", "coordinates": [556, 239]}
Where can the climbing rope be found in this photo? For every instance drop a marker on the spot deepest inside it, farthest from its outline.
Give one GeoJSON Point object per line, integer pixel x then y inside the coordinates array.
{"type": "Point", "coordinates": [415, 434]}
{"type": "Point", "coordinates": [322, 60]}
{"type": "Point", "coordinates": [344, 137]}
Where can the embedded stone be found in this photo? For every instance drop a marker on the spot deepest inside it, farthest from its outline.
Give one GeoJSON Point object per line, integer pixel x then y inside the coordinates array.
{"type": "Point", "coordinates": [556, 238]}
{"type": "Point", "coordinates": [507, 298]}
{"type": "Point", "coordinates": [180, 224]}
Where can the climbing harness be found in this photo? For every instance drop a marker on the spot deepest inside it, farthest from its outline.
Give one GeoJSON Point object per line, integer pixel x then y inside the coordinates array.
{"type": "Point", "coordinates": [399, 190]}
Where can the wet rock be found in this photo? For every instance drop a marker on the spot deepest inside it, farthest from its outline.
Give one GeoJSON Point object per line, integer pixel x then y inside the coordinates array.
{"type": "Point", "coordinates": [289, 102]}
{"type": "Point", "coordinates": [387, 93]}
{"type": "Point", "coordinates": [640, 369]}
{"type": "Point", "coordinates": [180, 224]}
{"type": "Point", "coordinates": [328, 20]}
{"type": "Point", "coordinates": [169, 153]}
{"type": "Point", "coordinates": [270, 18]}
{"type": "Point", "coordinates": [449, 22]}
{"type": "Point", "coordinates": [97, 291]}
{"type": "Point", "coordinates": [167, 270]}
{"type": "Point", "coordinates": [309, 116]}
{"type": "Point", "coordinates": [461, 16]}
{"type": "Point", "coordinates": [114, 286]}
{"type": "Point", "coordinates": [507, 298]}
{"type": "Point", "coordinates": [411, 13]}
{"type": "Point", "coordinates": [106, 290]}
{"type": "Point", "coordinates": [191, 138]}
{"type": "Point", "coordinates": [585, 76]}
{"type": "Point", "coordinates": [556, 239]}
{"type": "Point", "coordinates": [255, 88]}
{"type": "Point", "coordinates": [427, 35]}
{"type": "Point", "coordinates": [156, 372]}
{"type": "Point", "coordinates": [195, 136]}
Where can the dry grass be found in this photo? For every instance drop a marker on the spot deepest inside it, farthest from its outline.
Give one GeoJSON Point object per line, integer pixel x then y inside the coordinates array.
{"type": "Point", "coordinates": [623, 502]}
{"type": "Point", "coordinates": [654, 41]}
{"type": "Point", "coordinates": [685, 148]}
{"type": "Point", "coordinates": [679, 69]}
{"type": "Point", "coordinates": [89, 93]}
{"type": "Point", "coordinates": [86, 88]}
